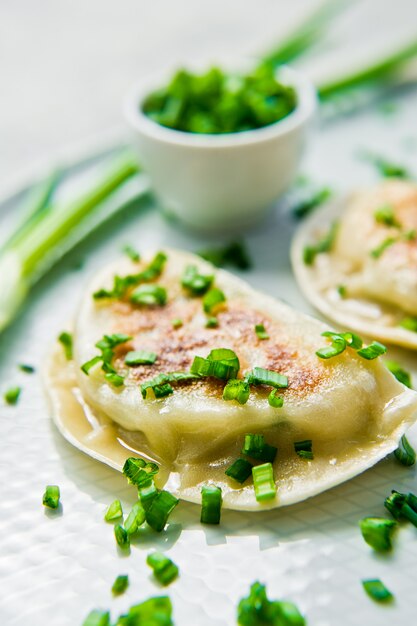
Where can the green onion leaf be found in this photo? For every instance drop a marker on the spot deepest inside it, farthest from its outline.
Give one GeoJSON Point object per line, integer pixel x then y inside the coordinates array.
{"type": "Point", "coordinates": [140, 357]}
{"type": "Point", "coordinates": [160, 509]}
{"type": "Point", "coordinates": [385, 215]}
{"type": "Point", "coordinates": [402, 506]}
{"type": "Point", "coordinates": [121, 536]}
{"type": "Point", "coordinates": [400, 374]}
{"type": "Point", "coordinates": [409, 323]}
{"type": "Point", "coordinates": [220, 363]}
{"type": "Point", "coordinates": [135, 519]}
{"type": "Point", "coordinates": [405, 453]}
{"type": "Point", "coordinates": [386, 168]}
{"type": "Point", "coordinates": [195, 282]}
{"type": "Point", "coordinates": [147, 493]}
{"type": "Point", "coordinates": [211, 504]}
{"type": "Point", "coordinates": [377, 532]}
{"type": "Point", "coordinates": [11, 395]}
{"type": "Point", "coordinates": [97, 618]}
{"type": "Point", "coordinates": [28, 369]}
{"type": "Point", "coordinates": [132, 253]}
{"type": "Point", "coordinates": [304, 449]}
{"type": "Point", "coordinates": [377, 590]}
{"type": "Point", "coordinates": [338, 346]}
{"type": "Point", "coordinates": [323, 245]}
{"type": "Point", "coordinates": [263, 482]}
{"type": "Point", "coordinates": [261, 332]}
{"type": "Point", "coordinates": [212, 322]}
{"type": "Point", "coordinates": [379, 250]}
{"type": "Point", "coordinates": [122, 283]}
{"type": "Point", "coordinates": [164, 570]}
{"type": "Point", "coordinates": [114, 379]}
{"type": "Point", "coordinates": [213, 299]}
{"type": "Point", "coordinates": [342, 291]}
{"type": "Point", "coordinates": [177, 323]}
{"type": "Point", "coordinates": [234, 254]}
{"type": "Point", "coordinates": [239, 470]}
{"type": "Point", "coordinates": [88, 365]}
{"type": "Point", "coordinates": [153, 612]}
{"type": "Point", "coordinates": [51, 497]}
{"type": "Point", "coordinates": [255, 447]}
{"type": "Point", "coordinates": [373, 351]}
{"type": "Point", "coordinates": [261, 376]}
{"type": "Point", "coordinates": [236, 390]}
{"type": "Point", "coordinates": [120, 585]}
{"type": "Point", "coordinates": [149, 295]}
{"type": "Point", "coordinates": [257, 610]}
{"type": "Point", "coordinates": [66, 340]}
{"type": "Point", "coordinates": [307, 205]}
{"type": "Point", "coordinates": [138, 471]}
{"type": "Point", "coordinates": [160, 384]}
{"type": "Point", "coordinates": [114, 511]}
{"type": "Point", "coordinates": [275, 400]}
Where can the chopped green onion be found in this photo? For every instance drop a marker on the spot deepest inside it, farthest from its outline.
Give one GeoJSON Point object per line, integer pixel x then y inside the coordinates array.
{"type": "Point", "coordinates": [28, 369]}
{"type": "Point", "coordinates": [405, 453]}
{"type": "Point", "coordinates": [239, 470]}
{"type": "Point", "coordinates": [211, 504]}
{"type": "Point", "coordinates": [213, 299]}
{"type": "Point", "coordinates": [307, 205]}
{"type": "Point", "coordinates": [261, 376]}
{"type": "Point", "coordinates": [257, 610]}
{"type": "Point", "coordinates": [160, 509]}
{"type": "Point", "coordinates": [352, 340]}
{"type": "Point", "coordinates": [138, 471]}
{"type": "Point", "coordinates": [261, 332]}
{"type": "Point", "coordinates": [11, 395]}
{"type": "Point", "coordinates": [409, 323]}
{"type": "Point", "coordinates": [51, 497]}
{"type": "Point", "coordinates": [342, 291]}
{"type": "Point", "coordinates": [122, 283]}
{"type": "Point", "coordinates": [304, 449]}
{"type": "Point", "coordinates": [400, 374]}
{"type": "Point", "coordinates": [377, 532]}
{"type": "Point", "coordinates": [410, 235]}
{"type": "Point", "coordinates": [114, 511]}
{"type": "Point", "coordinates": [121, 536]}
{"type": "Point", "coordinates": [402, 505]}
{"type": "Point", "coordinates": [385, 215]}
{"type": "Point", "coordinates": [155, 611]}
{"type": "Point", "coordinates": [233, 254]}
{"type": "Point", "coordinates": [66, 340]}
{"type": "Point", "coordinates": [338, 346]}
{"type": "Point", "coordinates": [149, 295]}
{"type": "Point", "coordinates": [212, 322]}
{"type": "Point", "coordinates": [236, 390]}
{"type": "Point", "coordinates": [160, 384]}
{"type": "Point", "coordinates": [255, 447]}
{"type": "Point", "coordinates": [275, 400]}
{"type": "Point", "coordinates": [263, 482]}
{"type": "Point", "coordinates": [373, 351]}
{"type": "Point", "coordinates": [140, 357]}
{"type": "Point", "coordinates": [106, 345]}
{"type": "Point", "coordinates": [164, 570]}
{"type": "Point", "coordinates": [379, 250]}
{"type": "Point", "coordinates": [114, 379]}
{"type": "Point", "coordinates": [88, 365]}
{"type": "Point", "coordinates": [135, 519]}
{"type": "Point", "coordinates": [120, 585]}
{"type": "Point", "coordinates": [132, 253]}
{"type": "Point", "coordinates": [386, 168]}
{"type": "Point", "coordinates": [323, 245]}
{"type": "Point", "coordinates": [220, 363]}
{"type": "Point", "coordinates": [177, 323]}
{"type": "Point", "coordinates": [377, 590]}
{"type": "Point", "coordinates": [147, 494]}
{"type": "Point", "coordinates": [197, 283]}
{"type": "Point", "coordinates": [97, 618]}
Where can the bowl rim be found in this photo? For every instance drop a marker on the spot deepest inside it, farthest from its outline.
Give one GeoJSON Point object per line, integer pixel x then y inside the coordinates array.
{"type": "Point", "coordinates": [144, 125]}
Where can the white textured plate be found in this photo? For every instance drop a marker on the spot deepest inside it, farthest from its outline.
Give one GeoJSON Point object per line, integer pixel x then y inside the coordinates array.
{"type": "Point", "coordinates": [55, 568]}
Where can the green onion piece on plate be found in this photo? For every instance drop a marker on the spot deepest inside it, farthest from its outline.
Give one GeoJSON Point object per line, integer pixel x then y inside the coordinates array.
{"type": "Point", "coordinates": [304, 449]}
{"type": "Point", "coordinates": [155, 611]}
{"type": "Point", "coordinates": [11, 395]}
{"type": "Point", "coordinates": [177, 323]}
{"type": "Point", "coordinates": [239, 470]}
{"type": "Point", "coordinates": [261, 332]}
{"type": "Point", "coordinates": [97, 618]}
{"type": "Point", "coordinates": [379, 250]}
{"type": "Point", "coordinates": [405, 453]}
{"type": "Point", "coordinates": [400, 374]}
{"type": "Point", "coordinates": [263, 482]}
{"type": "Point", "coordinates": [135, 519]}
{"type": "Point", "coordinates": [373, 351]}
{"type": "Point", "coordinates": [121, 536]}
{"type": "Point", "coordinates": [51, 497]}
{"type": "Point", "coordinates": [114, 511]}
{"type": "Point", "coordinates": [385, 215]}
{"type": "Point", "coordinates": [325, 244]}
{"type": "Point", "coordinates": [377, 532]}
{"type": "Point", "coordinates": [195, 282]}
{"type": "Point", "coordinates": [275, 400]}
{"type": "Point", "coordinates": [140, 357]}
{"type": "Point", "coordinates": [132, 253]}
{"type": "Point", "coordinates": [149, 295]}
{"type": "Point", "coordinates": [213, 299]}
{"type": "Point", "coordinates": [261, 376]}
{"type": "Point", "coordinates": [120, 585]}
{"type": "Point", "coordinates": [212, 322]}
{"type": "Point", "coordinates": [27, 369]}
{"type": "Point", "coordinates": [138, 471]}
{"type": "Point", "coordinates": [161, 507]}
{"type": "Point", "coordinates": [234, 254]}
{"type": "Point", "coordinates": [115, 379]}
{"type": "Point", "coordinates": [164, 570]}
{"type": "Point", "coordinates": [147, 493]}
{"type": "Point", "coordinates": [257, 610]}
{"type": "Point", "coordinates": [236, 390]}
{"type": "Point", "coordinates": [308, 204]}
{"type": "Point", "coordinates": [377, 590]}
{"type": "Point", "coordinates": [211, 504]}
{"type": "Point", "coordinates": [66, 340]}
{"type": "Point", "coordinates": [220, 363]}
{"type": "Point", "coordinates": [255, 447]}
{"type": "Point", "coordinates": [409, 323]}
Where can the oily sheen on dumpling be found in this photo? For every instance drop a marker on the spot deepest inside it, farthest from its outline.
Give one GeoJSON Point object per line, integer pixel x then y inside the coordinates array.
{"type": "Point", "coordinates": [353, 410]}
{"type": "Point", "coordinates": [367, 281]}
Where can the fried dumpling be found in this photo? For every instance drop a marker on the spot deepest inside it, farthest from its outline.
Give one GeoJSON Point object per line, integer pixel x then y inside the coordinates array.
{"type": "Point", "coordinates": [364, 277]}
{"type": "Point", "coordinates": [352, 410]}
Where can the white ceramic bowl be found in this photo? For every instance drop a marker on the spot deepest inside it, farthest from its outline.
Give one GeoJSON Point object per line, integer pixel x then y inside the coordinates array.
{"type": "Point", "coordinates": [221, 182]}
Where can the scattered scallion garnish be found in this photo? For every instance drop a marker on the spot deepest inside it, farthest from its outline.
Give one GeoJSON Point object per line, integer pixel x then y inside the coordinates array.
{"type": "Point", "coordinates": [212, 322]}
{"type": "Point", "coordinates": [307, 205]}
{"type": "Point", "coordinates": [149, 295]}
{"type": "Point", "coordinates": [66, 340]}
{"type": "Point", "coordinates": [220, 363]}
{"type": "Point", "coordinates": [405, 453]}
{"type": "Point", "coordinates": [138, 471]}
{"type": "Point", "coordinates": [156, 611]}
{"type": "Point", "coordinates": [373, 351]}
{"type": "Point", "coordinates": [135, 519]}
{"type": "Point", "coordinates": [385, 215]}
{"type": "Point", "coordinates": [11, 395]}
{"type": "Point", "coordinates": [122, 283]}
{"type": "Point", "coordinates": [211, 504]}
{"type": "Point", "coordinates": [275, 400]}
{"type": "Point", "coordinates": [122, 538]}
{"type": "Point", "coordinates": [234, 254]}
{"type": "Point", "coordinates": [402, 506]}
{"type": "Point", "coordinates": [177, 323]}
{"type": "Point", "coordinates": [261, 376]}
{"type": "Point", "coordinates": [304, 449]}
{"type": "Point", "coordinates": [257, 610]}
{"type": "Point", "coordinates": [263, 482]}
{"type": "Point", "coordinates": [161, 384]}
{"type": "Point", "coordinates": [377, 590]}
{"type": "Point", "coordinates": [387, 168]}
{"type": "Point", "coordinates": [120, 585]}
{"type": "Point", "coordinates": [195, 282]}
{"type": "Point", "coordinates": [341, 341]}
{"type": "Point", "coordinates": [147, 493]}
{"type": "Point", "coordinates": [239, 470]}
{"type": "Point", "coordinates": [409, 323]}
{"type": "Point", "coordinates": [164, 570]}
{"type": "Point", "coordinates": [27, 369]}
{"type": "Point", "coordinates": [377, 532]}
{"type": "Point", "coordinates": [161, 507]}
{"type": "Point", "coordinates": [140, 357]}
{"type": "Point", "coordinates": [325, 244]}
{"type": "Point", "coordinates": [132, 253]}
{"type": "Point", "coordinates": [106, 346]}
{"type": "Point", "coordinates": [51, 497]}
{"type": "Point", "coordinates": [114, 511]}
{"type": "Point", "coordinates": [379, 250]}
{"type": "Point", "coordinates": [213, 299]}
{"type": "Point", "coordinates": [256, 447]}
{"type": "Point", "coordinates": [400, 373]}
{"type": "Point", "coordinates": [236, 390]}
{"type": "Point", "coordinates": [97, 618]}
{"type": "Point", "coordinates": [342, 291]}
{"type": "Point", "coordinates": [261, 332]}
